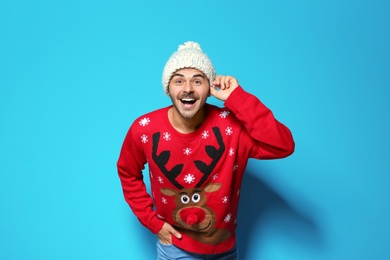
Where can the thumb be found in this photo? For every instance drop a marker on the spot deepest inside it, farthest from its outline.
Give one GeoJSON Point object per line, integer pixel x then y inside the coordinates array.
{"type": "Point", "coordinates": [175, 232]}
{"type": "Point", "coordinates": [213, 91]}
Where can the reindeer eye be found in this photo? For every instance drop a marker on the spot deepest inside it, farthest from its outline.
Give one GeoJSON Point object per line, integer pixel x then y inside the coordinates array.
{"type": "Point", "coordinates": [185, 199]}
{"type": "Point", "coordinates": [196, 197]}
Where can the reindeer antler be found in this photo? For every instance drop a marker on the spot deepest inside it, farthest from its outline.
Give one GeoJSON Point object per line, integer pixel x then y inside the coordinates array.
{"type": "Point", "coordinates": [213, 153]}
{"type": "Point", "coordinates": [162, 160]}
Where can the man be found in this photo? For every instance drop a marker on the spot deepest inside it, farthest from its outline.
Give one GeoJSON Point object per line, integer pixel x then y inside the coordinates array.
{"type": "Point", "coordinates": [197, 154]}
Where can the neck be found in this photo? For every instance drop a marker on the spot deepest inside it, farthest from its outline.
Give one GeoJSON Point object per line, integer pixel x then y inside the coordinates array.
{"type": "Point", "coordinates": [186, 125]}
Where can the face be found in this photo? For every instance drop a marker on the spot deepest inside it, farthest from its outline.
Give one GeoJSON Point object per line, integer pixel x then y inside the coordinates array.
{"type": "Point", "coordinates": [189, 89]}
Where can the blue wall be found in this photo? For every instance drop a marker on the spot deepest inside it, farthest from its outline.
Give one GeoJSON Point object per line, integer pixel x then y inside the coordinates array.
{"type": "Point", "coordinates": [75, 74]}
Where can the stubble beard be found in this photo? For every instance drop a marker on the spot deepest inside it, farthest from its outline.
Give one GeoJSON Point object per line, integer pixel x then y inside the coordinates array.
{"type": "Point", "coordinates": [185, 113]}
{"type": "Point", "coordinates": [189, 113]}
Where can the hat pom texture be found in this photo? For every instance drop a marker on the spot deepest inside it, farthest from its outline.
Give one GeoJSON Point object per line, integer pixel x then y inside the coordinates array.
{"type": "Point", "coordinates": [188, 55]}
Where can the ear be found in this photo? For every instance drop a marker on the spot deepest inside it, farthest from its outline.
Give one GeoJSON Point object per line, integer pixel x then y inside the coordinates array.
{"type": "Point", "coordinates": [213, 187]}
{"type": "Point", "coordinates": [168, 92]}
{"type": "Point", "coordinates": [209, 88]}
{"type": "Point", "coordinates": [168, 191]}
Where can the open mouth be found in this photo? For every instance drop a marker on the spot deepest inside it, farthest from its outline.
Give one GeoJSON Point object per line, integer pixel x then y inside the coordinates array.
{"type": "Point", "coordinates": [188, 101]}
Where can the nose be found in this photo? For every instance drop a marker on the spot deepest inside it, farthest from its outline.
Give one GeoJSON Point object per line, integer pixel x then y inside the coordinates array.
{"type": "Point", "coordinates": [188, 87]}
{"type": "Point", "coordinates": [192, 215]}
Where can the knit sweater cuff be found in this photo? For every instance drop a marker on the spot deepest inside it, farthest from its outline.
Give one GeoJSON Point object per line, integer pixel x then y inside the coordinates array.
{"type": "Point", "coordinates": [236, 99]}
{"type": "Point", "coordinates": [155, 225]}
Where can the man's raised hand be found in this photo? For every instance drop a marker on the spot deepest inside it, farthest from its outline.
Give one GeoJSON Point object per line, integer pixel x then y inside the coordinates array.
{"type": "Point", "coordinates": [223, 86]}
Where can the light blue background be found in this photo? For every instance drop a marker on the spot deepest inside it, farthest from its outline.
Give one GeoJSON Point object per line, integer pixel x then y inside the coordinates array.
{"type": "Point", "coordinates": [75, 74]}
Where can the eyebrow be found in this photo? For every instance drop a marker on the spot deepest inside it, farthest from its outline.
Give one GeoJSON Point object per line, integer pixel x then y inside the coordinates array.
{"type": "Point", "coordinates": [195, 76]}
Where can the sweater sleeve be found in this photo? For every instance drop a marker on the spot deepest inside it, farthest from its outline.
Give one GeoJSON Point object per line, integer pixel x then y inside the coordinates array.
{"type": "Point", "coordinates": [130, 164]}
{"type": "Point", "coordinates": [270, 139]}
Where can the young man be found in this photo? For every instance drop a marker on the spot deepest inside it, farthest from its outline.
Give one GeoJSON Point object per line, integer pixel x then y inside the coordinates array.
{"type": "Point", "coordinates": [197, 154]}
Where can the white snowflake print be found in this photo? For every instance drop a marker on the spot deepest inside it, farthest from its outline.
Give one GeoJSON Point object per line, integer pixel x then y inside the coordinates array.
{"type": "Point", "coordinates": [205, 134]}
{"type": "Point", "coordinates": [238, 193]}
{"type": "Point", "coordinates": [225, 199]}
{"type": "Point", "coordinates": [229, 130]}
{"type": "Point", "coordinates": [166, 136]}
{"type": "Point", "coordinates": [227, 218]}
{"type": "Point", "coordinates": [215, 176]}
{"type": "Point", "coordinates": [187, 151]}
{"type": "Point", "coordinates": [231, 151]}
{"type": "Point", "coordinates": [160, 179]}
{"type": "Point", "coordinates": [159, 216]}
{"type": "Point", "coordinates": [224, 114]}
{"type": "Point", "coordinates": [235, 167]}
{"type": "Point", "coordinates": [144, 139]}
{"type": "Point", "coordinates": [144, 121]}
{"type": "Point", "coordinates": [189, 178]}
{"type": "Point", "coordinates": [164, 200]}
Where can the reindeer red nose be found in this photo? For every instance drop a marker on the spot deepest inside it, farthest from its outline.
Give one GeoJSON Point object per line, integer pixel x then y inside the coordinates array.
{"type": "Point", "coordinates": [192, 215]}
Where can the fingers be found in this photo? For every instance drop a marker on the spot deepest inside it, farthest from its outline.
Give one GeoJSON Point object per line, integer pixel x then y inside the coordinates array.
{"type": "Point", "coordinates": [223, 86]}
{"type": "Point", "coordinates": [165, 234]}
{"type": "Point", "coordinates": [225, 82]}
{"type": "Point", "coordinates": [174, 232]}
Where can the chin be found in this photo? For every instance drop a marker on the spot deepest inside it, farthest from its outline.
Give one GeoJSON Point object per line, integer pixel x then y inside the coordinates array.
{"type": "Point", "coordinates": [188, 115]}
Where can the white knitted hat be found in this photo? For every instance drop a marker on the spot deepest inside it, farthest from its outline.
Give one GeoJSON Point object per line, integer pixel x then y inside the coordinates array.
{"type": "Point", "coordinates": [189, 55]}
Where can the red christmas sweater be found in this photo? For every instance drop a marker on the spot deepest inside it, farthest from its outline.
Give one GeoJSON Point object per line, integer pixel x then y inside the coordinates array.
{"type": "Point", "coordinates": [196, 178]}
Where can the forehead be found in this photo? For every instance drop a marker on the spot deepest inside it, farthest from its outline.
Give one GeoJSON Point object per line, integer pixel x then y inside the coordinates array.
{"type": "Point", "coordinates": [189, 72]}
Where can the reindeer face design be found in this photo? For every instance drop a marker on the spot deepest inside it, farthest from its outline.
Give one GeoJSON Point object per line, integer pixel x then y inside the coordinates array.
{"type": "Point", "coordinates": [192, 212]}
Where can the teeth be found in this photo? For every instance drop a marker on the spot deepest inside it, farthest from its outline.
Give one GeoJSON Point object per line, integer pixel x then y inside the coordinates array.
{"type": "Point", "coordinates": [187, 99]}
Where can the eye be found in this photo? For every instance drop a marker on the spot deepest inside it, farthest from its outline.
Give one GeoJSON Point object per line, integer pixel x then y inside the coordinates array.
{"type": "Point", "coordinates": [185, 199]}
{"type": "Point", "coordinates": [197, 82]}
{"type": "Point", "coordinates": [178, 81]}
{"type": "Point", "coordinates": [196, 198]}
